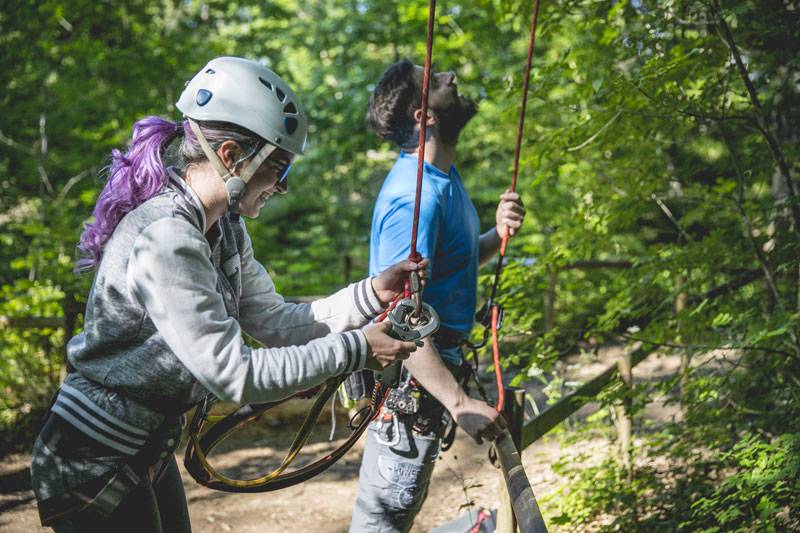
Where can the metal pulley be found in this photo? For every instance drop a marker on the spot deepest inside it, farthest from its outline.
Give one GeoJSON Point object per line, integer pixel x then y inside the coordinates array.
{"type": "Point", "coordinates": [412, 323]}
{"type": "Point", "coordinates": [409, 323]}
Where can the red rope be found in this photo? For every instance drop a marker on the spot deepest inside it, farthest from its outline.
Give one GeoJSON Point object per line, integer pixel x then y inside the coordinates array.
{"type": "Point", "coordinates": [423, 130]}
{"type": "Point", "coordinates": [504, 242]}
{"type": "Point", "coordinates": [413, 255]}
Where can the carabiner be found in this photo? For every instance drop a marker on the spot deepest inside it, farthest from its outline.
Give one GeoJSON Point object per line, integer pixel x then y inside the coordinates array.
{"type": "Point", "coordinates": [416, 293]}
{"type": "Point", "coordinates": [394, 428]}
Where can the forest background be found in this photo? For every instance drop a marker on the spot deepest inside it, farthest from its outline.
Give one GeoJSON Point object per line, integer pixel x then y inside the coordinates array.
{"type": "Point", "coordinates": [661, 140]}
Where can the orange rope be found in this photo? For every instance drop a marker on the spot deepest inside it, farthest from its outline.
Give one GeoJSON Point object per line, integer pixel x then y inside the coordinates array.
{"type": "Point", "coordinates": [504, 242]}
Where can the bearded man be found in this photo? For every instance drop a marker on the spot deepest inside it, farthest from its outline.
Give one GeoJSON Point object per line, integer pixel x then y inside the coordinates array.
{"type": "Point", "coordinates": [401, 448]}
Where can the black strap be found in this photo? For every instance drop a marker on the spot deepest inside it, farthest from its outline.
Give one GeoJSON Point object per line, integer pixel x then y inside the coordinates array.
{"type": "Point", "coordinates": [448, 338]}
{"type": "Point", "coordinates": [57, 508]}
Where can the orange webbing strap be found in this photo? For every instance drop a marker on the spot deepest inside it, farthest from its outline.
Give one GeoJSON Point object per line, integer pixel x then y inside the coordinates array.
{"type": "Point", "coordinates": [498, 270]}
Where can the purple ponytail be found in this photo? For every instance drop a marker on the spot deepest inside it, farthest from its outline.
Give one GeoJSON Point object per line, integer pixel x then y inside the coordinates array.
{"type": "Point", "coordinates": [133, 178]}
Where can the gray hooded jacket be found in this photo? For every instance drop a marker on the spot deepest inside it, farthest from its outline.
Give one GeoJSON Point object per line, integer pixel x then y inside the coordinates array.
{"type": "Point", "coordinates": [165, 321]}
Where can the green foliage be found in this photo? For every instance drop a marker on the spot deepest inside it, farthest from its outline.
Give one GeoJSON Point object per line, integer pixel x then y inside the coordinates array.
{"type": "Point", "coordinates": [762, 491]}
{"type": "Point", "coordinates": [30, 369]}
{"type": "Point", "coordinates": [753, 487]}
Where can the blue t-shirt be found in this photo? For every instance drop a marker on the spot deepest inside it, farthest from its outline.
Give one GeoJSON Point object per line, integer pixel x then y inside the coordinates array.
{"type": "Point", "coordinates": [448, 235]}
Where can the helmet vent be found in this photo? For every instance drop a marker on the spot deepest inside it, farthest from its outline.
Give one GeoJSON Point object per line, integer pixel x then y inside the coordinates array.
{"type": "Point", "coordinates": [265, 83]}
{"type": "Point", "coordinates": [281, 95]}
{"type": "Point", "coordinates": [290, 123]}
{"type": "Point", "coordinates": [211, 71]}
{"type": "Point", "coordinates": [290, 108]}
{"type": "Point", "coordinates": [203, 97]}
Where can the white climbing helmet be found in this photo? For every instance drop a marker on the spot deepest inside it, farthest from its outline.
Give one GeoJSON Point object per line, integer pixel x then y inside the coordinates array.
{"type": "Point", "coordinates": [248, 94]}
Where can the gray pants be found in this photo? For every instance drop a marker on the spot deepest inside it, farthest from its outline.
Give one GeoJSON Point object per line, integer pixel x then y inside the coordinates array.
{"type": "Point", "coordinates": [393, 480]}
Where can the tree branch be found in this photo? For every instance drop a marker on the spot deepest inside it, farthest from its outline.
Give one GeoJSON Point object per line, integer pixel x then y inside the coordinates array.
{"type": "Point", "coordinates": [696, 347]}
{"type": "Point", "coordinates": [761, 121]}
{"type": "Point", "coordinates": [42, 155]}
{"type": "Point", "coordinates": [748, 225]}
{"type": "Point", "coordinates": [72, 182]}
{"type": "Point", "coordinates": [667, 211]}
{"type": "Point", "coordinates": [14, 144]}
{"type": "Point", "coordinates": [596, 134]}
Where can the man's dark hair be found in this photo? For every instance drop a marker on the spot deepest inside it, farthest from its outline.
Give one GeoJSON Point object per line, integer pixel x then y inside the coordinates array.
{"type": "Point", "coordinates": [392, 104]}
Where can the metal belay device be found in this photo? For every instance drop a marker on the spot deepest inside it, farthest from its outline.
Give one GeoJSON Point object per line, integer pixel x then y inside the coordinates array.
{"type": "Point", "coordinates": [411, 321]}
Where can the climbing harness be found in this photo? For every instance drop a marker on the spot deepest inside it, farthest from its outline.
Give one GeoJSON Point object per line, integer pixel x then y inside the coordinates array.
{"type": "Point", "coordinates": [412, 320]}
{"type": "Point", "coordinates": [402, 400]}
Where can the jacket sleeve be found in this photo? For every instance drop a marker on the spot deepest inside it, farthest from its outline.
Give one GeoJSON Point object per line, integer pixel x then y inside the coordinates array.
{"type": "Point", "coordinates": [171, 275]}
{"type": "Point", "coordinates": [266, 317]}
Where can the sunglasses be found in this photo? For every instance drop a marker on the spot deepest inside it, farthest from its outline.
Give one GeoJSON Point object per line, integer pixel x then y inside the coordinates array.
{"type": "Point", "coordinates": [282, 168]}
{"type": "Point", "coordinates": [283, 175]}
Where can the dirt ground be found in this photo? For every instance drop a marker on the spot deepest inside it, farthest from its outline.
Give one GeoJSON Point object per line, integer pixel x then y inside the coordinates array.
{"type": "Point", "coordinates": [463, 476]}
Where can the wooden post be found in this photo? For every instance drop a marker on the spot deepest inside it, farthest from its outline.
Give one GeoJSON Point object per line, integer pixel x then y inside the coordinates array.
{"type": "Point", "coordinates": [505, 513]}
{"type": "Point", "coordinates": [513, 412]}
{"type": "Point", "coordinates": [681, 301]}
{"type": "Point", "coordinates": [71, 311]}
{"type": "Point", "coordinates": [569, 404]}
{"type": "Point", "coordinates": [624, 413]}
{"type": "Point", "coordinates": [528, 517]}
{"type": "Point", "coordinates": [347, 267]}
{"type": "Point", "coordinates": [550, 304]}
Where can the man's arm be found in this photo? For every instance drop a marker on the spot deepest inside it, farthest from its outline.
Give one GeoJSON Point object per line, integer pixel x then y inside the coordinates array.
{"type": "Point", "coordinates": [475, 417]}
{"type": "Point", "coordinates": [510, 212]}
{"type": "Point", "coordinates": [488, 245]}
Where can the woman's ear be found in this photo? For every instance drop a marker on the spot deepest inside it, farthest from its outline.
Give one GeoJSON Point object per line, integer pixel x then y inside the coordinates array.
{"type": "Point", "coordinates": [229, 153]}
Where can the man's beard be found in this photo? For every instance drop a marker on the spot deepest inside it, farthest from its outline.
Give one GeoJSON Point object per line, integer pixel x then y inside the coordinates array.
{"type": "Point", "coordinates": [454, 118]}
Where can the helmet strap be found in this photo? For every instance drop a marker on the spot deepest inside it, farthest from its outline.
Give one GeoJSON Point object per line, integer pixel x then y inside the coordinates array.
{"type": "Point", "coordinates": [234, 184]}
{"type": "Point", "coordinates": [211, 155]}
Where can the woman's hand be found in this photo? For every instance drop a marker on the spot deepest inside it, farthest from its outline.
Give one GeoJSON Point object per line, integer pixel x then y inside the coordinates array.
{"type": "Point", "coordinates": [391, 282]}
{"type": "Point", "coordinates": [383, 349]}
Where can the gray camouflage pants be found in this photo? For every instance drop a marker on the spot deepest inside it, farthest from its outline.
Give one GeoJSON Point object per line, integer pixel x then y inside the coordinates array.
{"type": "Point", "coordinates": [393, 480]}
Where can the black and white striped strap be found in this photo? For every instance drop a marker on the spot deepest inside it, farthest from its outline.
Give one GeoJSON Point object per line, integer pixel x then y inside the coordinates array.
{"type": "Point", "coordinates": [74, 407]}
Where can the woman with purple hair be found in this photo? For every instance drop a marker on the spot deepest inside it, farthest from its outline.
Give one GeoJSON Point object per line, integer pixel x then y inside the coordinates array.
{"type": "Point", "coordinates": [176, 287]}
